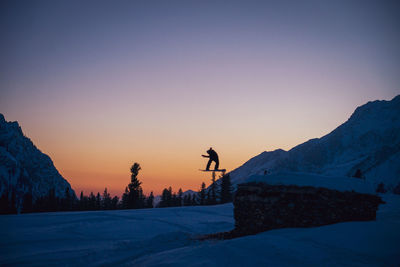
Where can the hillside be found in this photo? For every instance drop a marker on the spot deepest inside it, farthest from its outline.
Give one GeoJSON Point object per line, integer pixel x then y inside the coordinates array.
{"type": "Point", "coordinates": [369, 140]}
{"type": "Point", "coordinates": [24, 168]}
{"type": "Point", "coordinates": [167, 237]}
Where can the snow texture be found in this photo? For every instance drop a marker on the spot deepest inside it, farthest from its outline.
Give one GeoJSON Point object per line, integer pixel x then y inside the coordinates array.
{"type": "Point", "coordinates": [24, 168]}
{"type": "Point", "coordinates": [165, 237]}
{"type": "Point", "coordinates": [369, 141]}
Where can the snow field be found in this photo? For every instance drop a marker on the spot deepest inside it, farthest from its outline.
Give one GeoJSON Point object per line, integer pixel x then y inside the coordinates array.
{"type": "Point", "coordinates": [166, 237]}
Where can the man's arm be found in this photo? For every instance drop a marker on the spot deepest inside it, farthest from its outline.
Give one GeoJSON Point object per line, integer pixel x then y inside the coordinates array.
{"type": "Point", "coordinates": [205, 156]}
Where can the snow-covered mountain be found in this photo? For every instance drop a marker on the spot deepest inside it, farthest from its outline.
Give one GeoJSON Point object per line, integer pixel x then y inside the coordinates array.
{"type": "Point", "coordinates": [24, 168]}
{"type": "Point", "coordinates": [369, 140]}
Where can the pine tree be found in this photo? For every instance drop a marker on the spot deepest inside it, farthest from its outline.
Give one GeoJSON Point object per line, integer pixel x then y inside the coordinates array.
{"type": "Point", "coordinates": [186, 200]}
{"type": "Point", "coordinates": [194, 199]}
{"type": "Point", "coordinates": [165, 199]}
{"type": "Point", "coordinates": [125, 199]}
{"type": "Point", "coordinates": [179, 197]}
{"type": "Point", "coordinates": [84, 202]}
{"type": "Point", "coordinates": [81, 202]}
{"type": "Point", "coordinates": [174, 200]}
{"type": "Point", "coordinates": [92, 201]}
{"type": "Point", "coordinates": [106, 202]}
{"type": "Point", "coordinates": [226, 189]}
{"type": "Point", "coordinates": [115, 203]}
{"type": "Point", "coordinates": [170, 197]}
{"type": "Point", "coordinates": [149, 201]}
{"type": "Point", "coordinates": [68, 200]}
{"type": "Point", "coordinates": [52, 200]}
{"type": "Point", "coordinates": [135, 195]}
{"type": "Point", "coordinates": [202, 194]}
{"type": "Point", "coordinates": [141, 199]}
{"type": "Point", "coordinates": [212, 192]}
{"type": "Point", "coordinates": [98, 201]}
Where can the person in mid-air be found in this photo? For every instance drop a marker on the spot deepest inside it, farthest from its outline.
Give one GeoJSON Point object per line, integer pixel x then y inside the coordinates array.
{"type": "Point", "coordinates": [213, 157]}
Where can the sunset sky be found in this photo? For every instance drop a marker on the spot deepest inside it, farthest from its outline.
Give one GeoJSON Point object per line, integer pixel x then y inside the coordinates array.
{"type": "Point", "coordinates": [99, 85]}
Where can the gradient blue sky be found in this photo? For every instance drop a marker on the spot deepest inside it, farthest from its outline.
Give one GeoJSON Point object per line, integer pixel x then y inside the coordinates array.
{"type": "Point", "coordinates": [98, 85]}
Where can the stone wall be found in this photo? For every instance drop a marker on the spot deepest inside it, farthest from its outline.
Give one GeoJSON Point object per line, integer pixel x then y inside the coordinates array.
{"type": "Point", "coordinates": [259, 207]}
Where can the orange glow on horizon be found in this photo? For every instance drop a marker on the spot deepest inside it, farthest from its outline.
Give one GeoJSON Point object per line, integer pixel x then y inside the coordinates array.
{"type": "Point", "coordinates": [159, 84]}
{"type": "Point", "coordinates": [155, 176]}
{"type": "Point", "coordinates": [177, 167]}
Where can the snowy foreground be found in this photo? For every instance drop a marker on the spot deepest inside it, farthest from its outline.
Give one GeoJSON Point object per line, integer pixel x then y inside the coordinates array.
{"type": "Point", "coordinates": [166, 237]}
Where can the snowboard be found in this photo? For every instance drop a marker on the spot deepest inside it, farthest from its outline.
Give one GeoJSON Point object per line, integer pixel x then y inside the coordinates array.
{"type": "Point", "coordinates": [219, 170]}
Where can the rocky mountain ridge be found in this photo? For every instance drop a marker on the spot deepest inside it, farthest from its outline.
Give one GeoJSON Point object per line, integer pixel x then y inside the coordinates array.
{"type": "Point", "coordinates": [368, 141]}
{"type": "Point", "coordinates": [24, 168]}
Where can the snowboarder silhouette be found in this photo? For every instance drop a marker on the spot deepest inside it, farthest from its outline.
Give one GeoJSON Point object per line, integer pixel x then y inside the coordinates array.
{"type": "Point", "coordinates": [213, 157]}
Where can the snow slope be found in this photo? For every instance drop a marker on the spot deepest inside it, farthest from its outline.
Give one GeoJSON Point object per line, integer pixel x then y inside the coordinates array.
{"type": "Point", "coordinates": [24, 168]}
{"type": "Point", "coordinates": [369, 141]}
{"type": "Point", "coordinates": [164, 237]}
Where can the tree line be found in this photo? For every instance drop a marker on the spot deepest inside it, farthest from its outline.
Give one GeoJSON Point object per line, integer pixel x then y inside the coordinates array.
{"type": "Point", "coordinates": [217, 193]}
{"type": "Point", "coordinates": [132, 198]}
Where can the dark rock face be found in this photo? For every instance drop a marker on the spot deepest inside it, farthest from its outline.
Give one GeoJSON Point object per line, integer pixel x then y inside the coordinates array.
{"type": "Point", "coordinates": [25, 169]}
{"type": "Point", "coordinates": [259, 207]}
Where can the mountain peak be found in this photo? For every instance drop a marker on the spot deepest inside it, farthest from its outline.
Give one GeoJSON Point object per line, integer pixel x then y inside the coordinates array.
{"type": "Point", "coordinates": [24, 168]}
{"type": "Point", "coordinates": [369, 141]}
{"type": "Point", "coordinates": [376, 106]}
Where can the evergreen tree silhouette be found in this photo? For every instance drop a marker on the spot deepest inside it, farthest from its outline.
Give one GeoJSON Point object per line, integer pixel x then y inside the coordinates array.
{"type": "Point", "coordinates": [179, 199]}
{"type": "Point", "coordinates": [186, 200]}
{"type": "Point", "coordinates": [149, 201]}
{"type": "Point", "coordinates": [68, 200]}
{"type": "Point", "coordinates": [106, 201]}
{"type": "Point", "coordinates": [81, 203]}
{"type": "Point", "coordinates": [125, 199]}
{"type": "Point", "coordinates": [52, 201]}
{"type": "Point", "coordinates": [174, 200]}
{"type": "Point", "coordinates": [202, 194]}
{"type": "Point", "coordinates": [141, 199]}
{"type": "Point", "coordinates": [92, 201]}
{"type": "Point", "coordinates": [226, 189]}
{"type": "Point", "coordinates": [165, 198]}
{"type": "Point", "coordinates": [115, 203]}
{"type": "Point", "coordinates": [84, 202]}
{"type": "Point", "coordinates": [212, 192]}
{"type": "Point", "coordinates": [170, 197]}
{"type": "Point", "coordinates": [98, 201]}
{"type": "Point", "coordinates": [135, 194]}
{"type": "Point", "coordinates": [193, 200]}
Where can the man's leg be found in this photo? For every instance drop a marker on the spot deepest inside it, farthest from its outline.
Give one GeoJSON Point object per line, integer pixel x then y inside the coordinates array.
{"type": "Point", "coordinates": [208, 164]}
{"type": "Point", "coordinates": [216, 164]}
